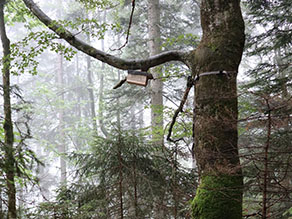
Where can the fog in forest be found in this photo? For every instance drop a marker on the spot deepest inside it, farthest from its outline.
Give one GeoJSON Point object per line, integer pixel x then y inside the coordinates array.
{"type": "Point", "coordinates": [91, 140]}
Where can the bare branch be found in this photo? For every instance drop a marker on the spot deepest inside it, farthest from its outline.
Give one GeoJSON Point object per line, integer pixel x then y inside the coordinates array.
{"type": "Point", "coordinates": [114, 61]}
{"type": "Point", "coordinates": [190, 83]}
{"type": "Point", "coordinates": [121, 82]}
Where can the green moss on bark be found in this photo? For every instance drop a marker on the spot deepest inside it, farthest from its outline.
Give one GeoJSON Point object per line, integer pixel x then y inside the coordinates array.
{"type": "Point", "coordinates": [218, 197]}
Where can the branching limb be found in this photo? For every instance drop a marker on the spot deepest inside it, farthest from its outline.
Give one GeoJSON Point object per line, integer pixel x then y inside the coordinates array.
{"type": "Point", "coordinates": [114, 61]}
{"type": "Point", "coordinates": [190, 83]}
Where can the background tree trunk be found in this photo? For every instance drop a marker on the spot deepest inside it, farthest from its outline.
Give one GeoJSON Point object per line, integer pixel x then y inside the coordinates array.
{"type": "Point", "coordinates": [60, 82]}
{"type": "Point", "coordinates": [8, 125]}
{"type": "Point", "coordinates": [91, 92]}
{"type": "Point", "coordinates": [156, 85]}
{"type": "Point", "coordinates": [61, 126]}
{"type": "Point", "coordinates": [101, 90]}
{"type": "Point", "coordinates": [220, 192]}
{"type": "Point", "coordinates": [156, 89]}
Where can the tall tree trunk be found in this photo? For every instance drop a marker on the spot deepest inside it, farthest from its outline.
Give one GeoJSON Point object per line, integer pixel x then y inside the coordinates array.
{"type": "Point", "coordinates": [156, 85]}
{"type": "Point", "coordinates": [9, 168]}
{"type": "Point", "coordinates": [90, 91]}
{"type": "Point", "coordinates": [266, 177]}
{"type": "Point", "coordinates": [60, 82]}
{"type": "Point", "coordinates": [77, 139]}
{"type": "Point", "coordinates": [62, 145]}
{"type": "Point", "coordinates": [135, 191]}
{"type": "Point", "coordinates": [141, 116]}
{"type": "Point", "coordinates": [118, 109]}
{"type": "Point", "coordinates": [121, 180]}
{"type": "Point", "coordinates": [101, 88]}
{"type": "Point", "coordinates": [281, 71]}
{"type": "Point", "coordinates": [220, 192]}
{"type": "Point", "coordinates": [156, 88]}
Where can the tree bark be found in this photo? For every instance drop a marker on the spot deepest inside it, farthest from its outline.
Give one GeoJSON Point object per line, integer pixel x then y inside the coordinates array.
{"type": "Point", "coordinates": [220, 192]}
{"type": "Point", "coordinates": [9, 162]}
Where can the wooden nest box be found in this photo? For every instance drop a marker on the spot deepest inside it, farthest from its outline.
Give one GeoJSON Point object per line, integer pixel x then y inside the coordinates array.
{"type": "Point", "coordinates": [138, 77]}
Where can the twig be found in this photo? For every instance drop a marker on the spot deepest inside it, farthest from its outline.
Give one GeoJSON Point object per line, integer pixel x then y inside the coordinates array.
{"type": "Point", "coordinates": [190, 83]}
{"type": "Point", "coordinates": [120, 83]}
{"type": "Point", "coordinates": [129, 27]}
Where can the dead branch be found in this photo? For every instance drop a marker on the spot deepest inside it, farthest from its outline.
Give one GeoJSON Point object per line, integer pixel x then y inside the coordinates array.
{"type": "Point", "coordinates": [190, 83]}
{"type": "Point", "coordinates": [120, 83]}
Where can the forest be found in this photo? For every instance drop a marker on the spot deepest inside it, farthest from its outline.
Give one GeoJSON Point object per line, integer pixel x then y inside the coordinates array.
{"type": "Point", "coordinates": [157, 109]}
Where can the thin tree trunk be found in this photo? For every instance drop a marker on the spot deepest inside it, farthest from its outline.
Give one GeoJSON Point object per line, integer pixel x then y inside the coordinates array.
{"type": "Point", "coordinates": [135, 189]}
{"type": "Point", "coordinates": [220, 191]}
{"type": "Point", "coordinates": [156, 85]}
{"type": "Point", "coordinates": [90, 91]}
{"type": "Point", "coordinates": [121, 181]}
{"type": "Point", "coordinates": [132, 119]}
{"type": "Point", "coordinates": [60, 81]}
{"type": "Point", "coordinates": [281, 71]}
{"type": "Point", "coordinates": [77, 91]}
{"type": "Point", "coordinates": [156, 89]}
{"type": "Point", "coordinates": [8, 125]}
{"type": "Point", "coordinates": [101, 88]}
{"type": "Point", "coordinates": [77, 139]}
{"type": "Point", "coordinates": [141, 116]}
{"type": "Point", "coordinates": [62, 145]}
{"type": "Point", "coordinates": [118, 110]}
{"type": "Point", "coordinates": [174, 187]}
{"type": "Point", "coordinates": [285, 123]}
{"type": "Point", "coordinates": [266, 164]}
{"type": "Point", "coordinates": [101, 103]}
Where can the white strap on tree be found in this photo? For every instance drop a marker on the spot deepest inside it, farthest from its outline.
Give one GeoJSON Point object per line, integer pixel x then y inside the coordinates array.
{"type": "Point", "coordinates": [191, 82]}
{"type": "Point", "coordinates": [214, 73]}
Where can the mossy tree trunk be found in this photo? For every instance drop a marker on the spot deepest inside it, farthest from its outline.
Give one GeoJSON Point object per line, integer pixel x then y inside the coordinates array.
{"type": "Point", "coordinates": [220, 192]}
{"type": "Point", "coordinates": [9, 162]}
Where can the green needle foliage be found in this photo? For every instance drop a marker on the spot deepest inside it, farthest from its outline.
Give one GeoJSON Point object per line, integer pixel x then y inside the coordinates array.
{"type": "Point", "coordinates": [265, 123]}
{"type": "Point", "coordinates": [122, 175]}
